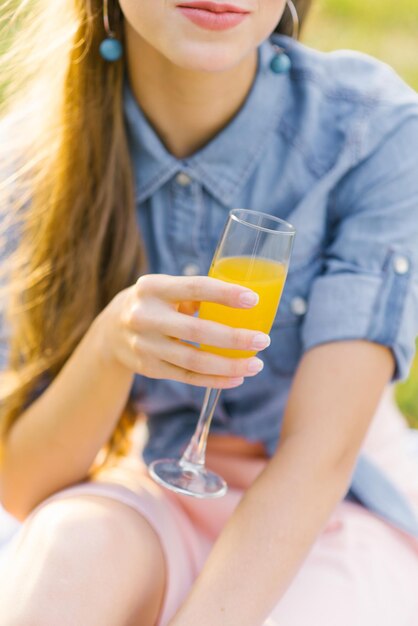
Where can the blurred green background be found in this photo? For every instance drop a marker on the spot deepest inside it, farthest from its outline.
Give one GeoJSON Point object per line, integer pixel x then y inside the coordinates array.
{"type": "Point", "coordinates": [389, 31]}
{"type": "Point", "coordinates": [383, 28]}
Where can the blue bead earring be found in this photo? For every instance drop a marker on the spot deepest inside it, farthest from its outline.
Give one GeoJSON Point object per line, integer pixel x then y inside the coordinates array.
{"type": "Point", "coordinates": [111, 48]}
{"type": "Point", "coordinates": [281, 63]}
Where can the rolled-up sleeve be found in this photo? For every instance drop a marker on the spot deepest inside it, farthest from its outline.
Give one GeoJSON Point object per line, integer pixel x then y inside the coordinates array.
{"type": "Point", "coordinates": [369, 286]}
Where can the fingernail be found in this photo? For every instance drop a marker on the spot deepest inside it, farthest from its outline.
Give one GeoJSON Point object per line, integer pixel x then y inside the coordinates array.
{"type": "Point", "coordinates": [255, 365]}
{"type": "Point", "coordinates": [260, 341]}
{"type": "Point", "coordinates": [235, 382]}
{"type": "Point", "coordinates": [249, 298]}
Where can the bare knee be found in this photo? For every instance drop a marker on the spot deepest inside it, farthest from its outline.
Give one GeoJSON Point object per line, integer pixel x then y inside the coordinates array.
{"type": "Point", "coordinates": [85, 560]}
{"type": "Point", "coordinates": [73, 531]}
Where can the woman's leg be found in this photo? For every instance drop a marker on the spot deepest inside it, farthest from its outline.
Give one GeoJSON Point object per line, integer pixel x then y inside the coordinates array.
{"type": "Point", "coordinates": [83, 560]}
{"type": "Point", "coordinates": [360, 572]}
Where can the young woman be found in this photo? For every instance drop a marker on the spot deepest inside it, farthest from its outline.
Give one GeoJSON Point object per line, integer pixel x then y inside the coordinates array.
{"type": "Point", "coordinates": [118, 174]}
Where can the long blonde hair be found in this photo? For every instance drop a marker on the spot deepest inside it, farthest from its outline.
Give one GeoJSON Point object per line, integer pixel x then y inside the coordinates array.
{"type": "Point", "coordinates": [67, 196]}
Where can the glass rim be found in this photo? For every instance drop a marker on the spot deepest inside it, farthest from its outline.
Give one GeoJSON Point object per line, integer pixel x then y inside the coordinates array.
{"type": "Point", "coordinates": [291, 230]}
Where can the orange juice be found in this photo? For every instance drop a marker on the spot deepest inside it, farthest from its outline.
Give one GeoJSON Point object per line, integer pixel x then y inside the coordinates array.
{"type": "Point", "coordinates": [265, 277]}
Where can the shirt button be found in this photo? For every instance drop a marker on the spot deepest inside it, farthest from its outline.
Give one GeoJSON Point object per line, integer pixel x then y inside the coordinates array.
{"type": "Point", "coordinates": [191, 269]}
{"type": "Point", "coordinates": [298, 306]}
{"type": "Point", "coordinates": [400, 264]}
{"type": "Point", "coordinates": [183, 179]}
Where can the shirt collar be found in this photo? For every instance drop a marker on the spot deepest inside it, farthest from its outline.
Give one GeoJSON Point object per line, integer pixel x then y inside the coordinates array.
{"type": "Point", "coordinates": [225, 163]}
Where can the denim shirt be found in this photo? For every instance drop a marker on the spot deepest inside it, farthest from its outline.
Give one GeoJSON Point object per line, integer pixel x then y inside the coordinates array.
{"type": "Point", "coordinates": [332, 147]}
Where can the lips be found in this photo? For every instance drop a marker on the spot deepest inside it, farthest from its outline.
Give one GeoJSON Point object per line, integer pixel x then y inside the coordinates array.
{"type": "Point", "coordinates": [213, 16]}
{"type": "Point", "coordinates": [213, 7]}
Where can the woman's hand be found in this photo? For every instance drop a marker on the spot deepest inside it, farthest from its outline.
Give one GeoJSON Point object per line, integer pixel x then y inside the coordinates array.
{"type": "Point", "coordinates": [144, 328]}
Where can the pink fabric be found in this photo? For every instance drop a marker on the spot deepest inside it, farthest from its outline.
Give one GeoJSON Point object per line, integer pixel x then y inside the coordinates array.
{"type": "Point", "coordinates": [360, 572]}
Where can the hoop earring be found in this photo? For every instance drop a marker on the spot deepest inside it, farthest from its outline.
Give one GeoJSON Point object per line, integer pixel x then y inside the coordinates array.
{"type": "Point", "coordinates": [111, 48]}
{"type": "Point", "coordinates": [281, 62]}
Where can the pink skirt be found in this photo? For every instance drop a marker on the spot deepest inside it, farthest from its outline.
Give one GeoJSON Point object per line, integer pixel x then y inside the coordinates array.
{"type": "Point", "coordinates": [360, 571]}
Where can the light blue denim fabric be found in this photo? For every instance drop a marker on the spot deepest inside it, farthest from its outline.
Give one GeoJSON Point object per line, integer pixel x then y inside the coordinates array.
{"type": "Point", "coordinates": [332, 147]}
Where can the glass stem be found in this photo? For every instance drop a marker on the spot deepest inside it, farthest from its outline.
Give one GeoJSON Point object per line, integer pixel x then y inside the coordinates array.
{"type": "Point", "coordinates": [195, 451]}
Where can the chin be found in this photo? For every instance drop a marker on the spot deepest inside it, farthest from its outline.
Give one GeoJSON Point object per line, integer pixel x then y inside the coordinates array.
{"type": "Point", "coordinates": [208, 57]}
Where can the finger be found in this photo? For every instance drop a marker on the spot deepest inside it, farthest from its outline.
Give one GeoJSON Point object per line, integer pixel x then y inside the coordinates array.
{"type": "Point", "coordinates": [211, 333]}
{"type": "Point", "coordinates": [195, 360]}
{"type": "Point", "coordinates": [172, 372]}
{"type": "Point", "coordinates": [197, 288]}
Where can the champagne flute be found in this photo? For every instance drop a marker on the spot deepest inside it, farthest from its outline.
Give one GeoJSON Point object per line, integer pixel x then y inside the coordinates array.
{"type": "Point", "coordinates": [253, 251]}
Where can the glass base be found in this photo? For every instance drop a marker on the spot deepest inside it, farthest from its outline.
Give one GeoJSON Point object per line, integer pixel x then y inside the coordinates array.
{"type": "Point", "coordinates": [191, 480]}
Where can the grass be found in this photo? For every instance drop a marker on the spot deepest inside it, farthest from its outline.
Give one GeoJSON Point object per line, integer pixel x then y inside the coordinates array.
{"type": "Point", "coordinates": [387, 31]}
{"type": "Point", "coordinates": [407, 396]}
